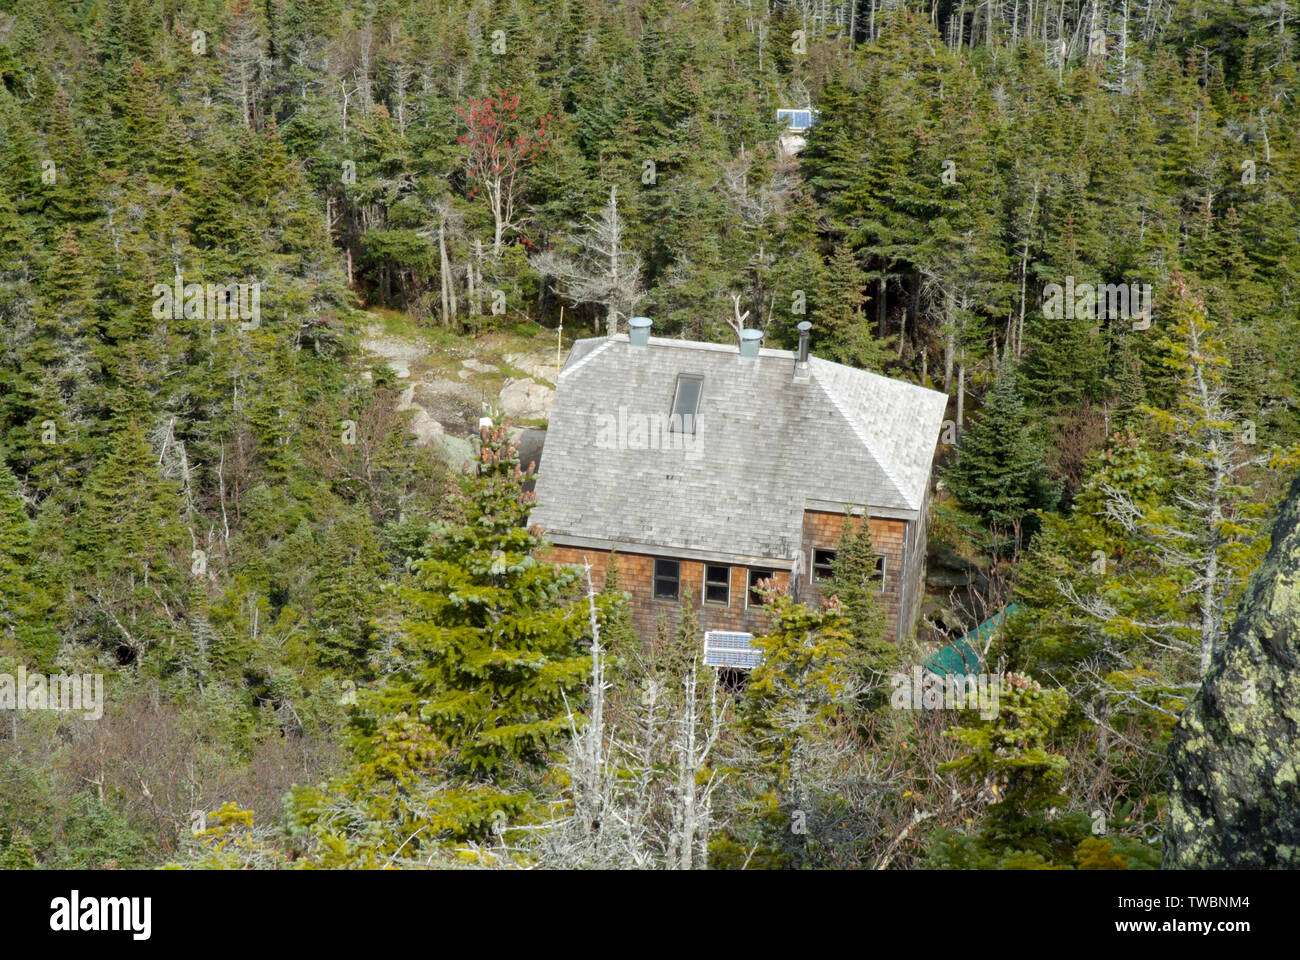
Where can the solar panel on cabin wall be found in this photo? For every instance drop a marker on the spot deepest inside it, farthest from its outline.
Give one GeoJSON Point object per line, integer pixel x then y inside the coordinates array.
{"type": "Point", "coordinates": [723, 648]}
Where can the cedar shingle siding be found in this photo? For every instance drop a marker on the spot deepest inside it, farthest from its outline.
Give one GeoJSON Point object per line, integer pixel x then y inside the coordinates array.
{"type": "Point", "coordinates": [821, 530]}
{"type": "Point", "coordinates": [636, 576]}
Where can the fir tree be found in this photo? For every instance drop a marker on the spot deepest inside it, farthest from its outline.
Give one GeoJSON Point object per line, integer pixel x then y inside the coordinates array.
{"type": "Point", "coordinates": [25, 608]}
{"type": "Point", "coordinates": [500, 648]}
{"type": "Point", "coordinates": [787, 719]}
{"type": "Point", "coordinates": [999, 472]}
{"type": "Point", "coordinates": [855, 592]}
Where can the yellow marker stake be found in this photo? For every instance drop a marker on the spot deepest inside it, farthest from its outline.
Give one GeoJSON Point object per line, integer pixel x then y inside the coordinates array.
{"type": "Point", "coordinates": [559, 340]}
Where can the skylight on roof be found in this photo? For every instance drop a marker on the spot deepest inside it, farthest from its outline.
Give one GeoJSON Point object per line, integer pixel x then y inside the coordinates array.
{"type": "Point", "coordinates": [686, 402]}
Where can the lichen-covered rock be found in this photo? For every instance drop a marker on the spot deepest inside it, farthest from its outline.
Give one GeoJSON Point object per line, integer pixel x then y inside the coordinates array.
{"type": "Point", "coordinates": [1235, 755]}
{"type": "Point", "coordinates": [456, 452]}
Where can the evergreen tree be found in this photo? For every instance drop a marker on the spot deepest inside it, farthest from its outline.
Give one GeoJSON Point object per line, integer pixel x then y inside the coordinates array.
{"type": "Point", "coordinates": [617, 633]}
{"type": "Point", "coordinates": [855, 592]}
{"type": "Point", "coordinates": [837, 308]}
{"type": "Point", "coordinates": [26, 610]}
{"type": "Point", "coordinates": [504, 647]}
{"type": "Point", "coordinates": [999, 472]}
{"type": "Point", "coordinates": [1013, 752]}
{"type": "Point", "coordinates": [787, 719]}
{"type": "Point", "coordinates": [345, 604]}
{"type": "Point", "coordinates": [1209, 532]}
{"type": "Point", "coordinates": [496, 648]}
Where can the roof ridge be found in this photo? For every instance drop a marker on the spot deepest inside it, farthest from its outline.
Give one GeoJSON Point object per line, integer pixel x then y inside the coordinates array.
{"type": "Point", "coordinates": [884, 464]}
{"type": "Point", "coordinates": [894, 382]}
{"type": "Point", "coordinates": [568, 370]}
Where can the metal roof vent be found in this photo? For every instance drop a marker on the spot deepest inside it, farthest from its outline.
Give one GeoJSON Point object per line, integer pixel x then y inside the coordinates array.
{"type": "Point", "coordinates": [638, 331]}
{"type": "Point", "coordinates": [801, 365]}
{"type": "Point", "coordinates": [750, 341]}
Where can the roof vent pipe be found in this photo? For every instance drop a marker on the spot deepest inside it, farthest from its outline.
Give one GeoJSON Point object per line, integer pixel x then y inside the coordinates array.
{"type": "Point", "coordinates": [638, 331]}
{"type": "Point", "coordinates": [750, 340]}
{"type": "Point", "coordinates": [801, 365]}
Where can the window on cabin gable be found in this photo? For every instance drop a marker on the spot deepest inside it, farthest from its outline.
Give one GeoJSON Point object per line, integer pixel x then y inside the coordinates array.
{"type": "Point", "coordinates": [756, 599]}
{"type": "Point", "coordinates": [686, 402]}
{"type": "Point", "coordinates": [668, 579]}
{"type": "Point", "coordinates": [823, 564]}
{"type": "Point", "coordinates": [878, 575]}
{"type": "Point", "coordinates": [717, 584]}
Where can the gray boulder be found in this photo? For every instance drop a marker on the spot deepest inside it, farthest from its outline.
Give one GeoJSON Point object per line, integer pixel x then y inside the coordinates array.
{"type": "Point", "coordinates": [1235, 754]}
{"type": "Point", "coordinates": [526, 399]}
{"type": "Point", "coordinates": [456, 452]}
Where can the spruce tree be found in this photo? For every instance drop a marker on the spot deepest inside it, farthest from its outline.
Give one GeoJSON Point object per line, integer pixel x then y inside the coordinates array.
{"type": "Point", "coordinates": [25, 607]}
{"type": "Point", "coordinates": [856, 594]}
{"type": "Point", "coordinates": [346, 600]}
{"type": "Point", "coordinates": [787, 717]}
{"type": "Point", "coordinates": [1014, 752]}
{"type": "Point", "coordinates": [999, 473]}
{"type": "Point", "coordinates": [617, 633]}
{"type": "Point", "coordinates": [837, 307]}
{"type": "Point", "coordinates": [501, 645]}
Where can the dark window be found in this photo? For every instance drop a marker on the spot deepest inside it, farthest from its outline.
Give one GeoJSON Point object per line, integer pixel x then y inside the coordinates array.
{"type": "Point", "coordinates": [755, 599]}
{"type": "Point", "coordinates": [668, 578]}
{"type": "Point", "coordinates": [822, 568]}
{"type": "Point", "coordinates": [686, 402]}
{"type": "Point", "coordinates": [878, 575]}
{"type": "Point", "coordinates": [717, 584]}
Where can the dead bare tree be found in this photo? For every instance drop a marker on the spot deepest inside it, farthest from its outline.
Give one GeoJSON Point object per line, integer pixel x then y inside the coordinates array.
{"type": "Point", "coordinates": [638, 796]}
{"type": "Point", "coordinates": [604, 272]}
{"type": "Point", "coordinates": [246, 60]}
{"type": "Point", "coordinates": [738, 324]}
{"type": "Point", "coordinates": [449, 227]}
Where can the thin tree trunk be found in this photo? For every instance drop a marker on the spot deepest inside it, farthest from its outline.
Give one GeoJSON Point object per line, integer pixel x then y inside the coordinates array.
{"type": "Point", "coordinates": [961, 391]}
{"type": "Point", "coordinates": [949, 348]}
{"type": "Point", "coordinates": [902, 332]}
{"type": "Point", "coordinates": [911, 311]}
{"type": "Point", "coordinates": [475, 291]}
{"type": "Point", "coordinates": [881, 307]}
{"type": "Point", "coordinates": [221, 493]}
{"type": "Point", "coordinates": [1024, 271]}
{"type": "Point", "coordinates": [444, 268]}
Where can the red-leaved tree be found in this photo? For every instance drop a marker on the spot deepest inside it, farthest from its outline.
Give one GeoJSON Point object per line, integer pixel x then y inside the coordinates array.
{"type": "Point", "coordinates": [499, 151]}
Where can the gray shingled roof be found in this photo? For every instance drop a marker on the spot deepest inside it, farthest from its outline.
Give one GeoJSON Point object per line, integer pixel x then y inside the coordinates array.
{"type": "Point", "coordinates": [765, 446]}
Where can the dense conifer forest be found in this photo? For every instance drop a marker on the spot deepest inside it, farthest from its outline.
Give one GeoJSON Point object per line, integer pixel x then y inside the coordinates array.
{"type": "Point", "coordinates": [323, 643]}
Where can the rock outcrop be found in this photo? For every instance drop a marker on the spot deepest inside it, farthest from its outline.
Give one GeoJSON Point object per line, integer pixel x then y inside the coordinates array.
{"type": "Point", "coordinates": [541, 365]}
{"type": "Point", "coordinates": [526, 399]}
{"type": "Point", "coordinates": [421, 423]}
{"type": "Point", "coordinates": [1235, 755]}
{"type": "Point", "coordinates": [444, 408]}
{"type": "Point", "coordinates": [470, 366]}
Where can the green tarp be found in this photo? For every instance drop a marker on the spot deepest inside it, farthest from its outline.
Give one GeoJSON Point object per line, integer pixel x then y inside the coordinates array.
{"type": "Point", "coordinates": [963, 657]}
